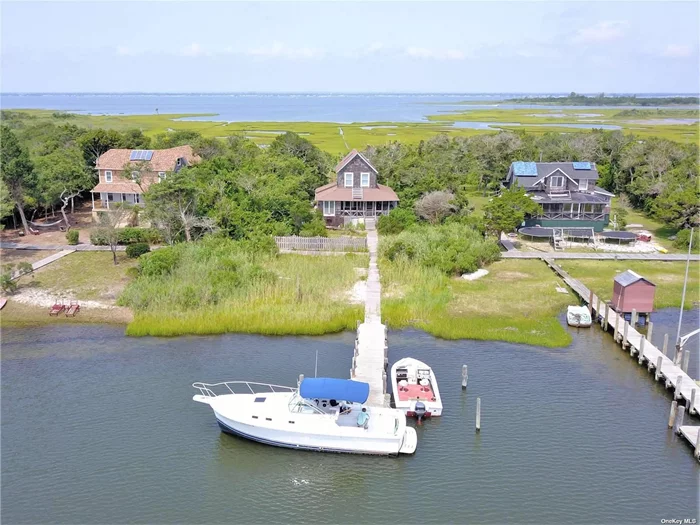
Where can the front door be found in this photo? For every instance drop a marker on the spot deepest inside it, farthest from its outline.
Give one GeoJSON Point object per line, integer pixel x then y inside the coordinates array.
{"type": "Point", "coordinates": [370, 209]}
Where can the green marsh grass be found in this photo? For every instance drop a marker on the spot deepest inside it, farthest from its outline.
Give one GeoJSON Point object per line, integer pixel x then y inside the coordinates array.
{"type": "Point", "coordinates": [517, 302]}
{"type": "Point", "coordinates": [214, 291]}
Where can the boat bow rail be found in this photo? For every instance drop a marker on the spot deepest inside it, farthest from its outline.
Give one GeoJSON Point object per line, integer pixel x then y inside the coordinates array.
{"type": "Point", "coordinates": [239, 387]}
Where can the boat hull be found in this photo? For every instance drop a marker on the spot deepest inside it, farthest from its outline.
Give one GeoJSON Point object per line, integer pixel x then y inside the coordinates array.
{"type": "Point", "coordinates": [433, 408]}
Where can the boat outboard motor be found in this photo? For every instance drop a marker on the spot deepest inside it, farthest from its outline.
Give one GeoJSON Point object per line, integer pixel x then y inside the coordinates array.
{"type": "Point", "coordinates": [420, 411]}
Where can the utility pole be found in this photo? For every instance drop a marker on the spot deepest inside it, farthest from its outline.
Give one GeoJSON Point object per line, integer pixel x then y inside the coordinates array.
{"type": "Point", "coordinates": [679, 344]}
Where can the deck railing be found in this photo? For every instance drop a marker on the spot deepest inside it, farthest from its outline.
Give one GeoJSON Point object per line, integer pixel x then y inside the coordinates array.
{"type": "Point", "coordinates": [321, 244]}
{"type": "Point", "coordinates": [574, 216]}
{"type": "Point", "coordinates": [239, 387]}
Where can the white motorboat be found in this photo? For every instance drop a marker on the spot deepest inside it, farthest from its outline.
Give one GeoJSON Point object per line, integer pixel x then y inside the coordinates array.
{"type": "Point", "coordinates": [322, 415]}
{"type": "Point", "coordinates": [415, 389]}
{"type": "Point", "coordinates": [578, 316]}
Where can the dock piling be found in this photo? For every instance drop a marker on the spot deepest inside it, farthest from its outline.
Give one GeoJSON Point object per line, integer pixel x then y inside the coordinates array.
{"type": "Point", "coordinates": [478, 414]}
{"type": "Point", "coordinates": [697, 446]}
{"type": "Point", "coordinates": [650, 329]}
{"type": "Point", "coordinates": [691, 407]}
{"type": "Point", "coordinates": [590, 304]}
{"type": "Point", "coordinates": [616, 330]}
{"type": "Point", "coordinates": [642, 343]}
{"type": "Point", "coordinates": [686, 358]}
{"type": "Point", "coordinates": [657, 372]}
{"type": "Point", "coordinates": [665, 345]}
{"type": "Point", "coordinates": [679, 419]}
{"type": "Point", "coordinates": [624, 334]}
{"type": "Point", "coordinates": [465, 376]}
{"type": "Point", "coordinates": [606, 308]}
{"type": "Point", "coordinates": [672, 415]}
{"type": "Point", "coordinates": [633, 319]}
{"type": "Point", "coordinates": [677, 391]}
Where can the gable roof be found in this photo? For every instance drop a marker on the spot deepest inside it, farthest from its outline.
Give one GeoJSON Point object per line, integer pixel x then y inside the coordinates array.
{"type": "Point", "coordinates": [346, 160]}
{"type": "Point", "coordinates": [162, 160]}
{"type": "Point", "coordinates": [546, 168]}
{"type": "Point", "coordinates": [630, 277]}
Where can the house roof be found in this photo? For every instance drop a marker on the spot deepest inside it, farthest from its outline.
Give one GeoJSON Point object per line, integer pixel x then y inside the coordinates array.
{"type": "Point", "coordinates": [331, 192]}
{"type": "Point", "coordinates": [162, 159]}
{"type": "Point", "coordinates": [354, 153]}
{"type": "Point", "coordinates": [544, 169]}
{"type": "Point", "coordinates": [630, 277]}
{"type": "Point", "coordinates": [118, 187]}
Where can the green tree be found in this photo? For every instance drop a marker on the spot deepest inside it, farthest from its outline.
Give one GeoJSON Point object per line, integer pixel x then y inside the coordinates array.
{"type": "Point", "coordinates": [16, 172]}
{"type": "Point", "coordinates": [507, 211]}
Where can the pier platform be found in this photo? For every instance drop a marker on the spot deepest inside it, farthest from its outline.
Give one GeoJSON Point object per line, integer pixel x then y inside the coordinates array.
{"type": "Point", "coordinates": [371, 350]}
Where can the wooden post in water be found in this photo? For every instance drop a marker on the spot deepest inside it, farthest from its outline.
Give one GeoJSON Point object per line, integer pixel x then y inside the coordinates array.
{"type": "Point", "coordinates": [384, 382]}
{"type": "Point", "coordinates": [677, 391]}
{"type": "Point", "coordinates": [478, 414]}
{"type": "Point", "coordinates": [590, 304]}
{"type": "Point", "coordinates": [616, 333]}
{"type": "Point", "coordinates": [686, 358]}
{"type": "Point", "coordinates": [657, 372]}
{"type": "Point", "coordinates": [601, 306]}
{"type": "Point", "coordinates": [624, 334]}
{"type": "Point", "coordinates": [633, 319]}
{"type": "Point", "coordinates": [650, 329]}
{"type": "Point", "coordinates": [691, 407]}
{"type": "Point", "coordinates": [642, 344]}
{"type": "Point", "coordinates": [665, 344]}
{"type": "Point", "coordinates": [465, 377]}
{"type": "Point", "coordinates": [672, 415]}
{"type": "Point", "coordinates": [697, 446]}
{"type": "Point", "coordinates": [606, 312]}
{"type": "Point", "coordinates": [679, 419]}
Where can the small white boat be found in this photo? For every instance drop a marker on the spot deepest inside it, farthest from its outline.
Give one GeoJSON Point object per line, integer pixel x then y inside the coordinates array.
{"type": "Point", "coordinates": [578, 316]}
{"type": "Point", "coordinates": [415, 389]}
{"type": "Point", "coordinates": [321, 415]}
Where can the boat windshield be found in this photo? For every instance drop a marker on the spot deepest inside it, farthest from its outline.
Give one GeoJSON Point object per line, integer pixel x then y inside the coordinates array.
{"type": "Point", "coordinates": [299, 405]}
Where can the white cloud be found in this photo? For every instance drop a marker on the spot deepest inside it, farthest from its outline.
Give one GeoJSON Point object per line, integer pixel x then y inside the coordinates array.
{"type": "Point", "coordinates": [677, 51]}
{"type": "Point", "coordinates": [435, 54]}
{"type": "Point", "coordinates": [605, 31]}
{"type": "Point", "coordinates": [279, 50]}
{"type": "Point", "coordinates": [192, 50]}
{"type": "Point", "coordinates": [126, 51]}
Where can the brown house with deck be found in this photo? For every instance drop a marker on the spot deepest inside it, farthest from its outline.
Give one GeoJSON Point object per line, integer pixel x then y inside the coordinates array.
{"type": "Point", "coordinates": [126, 174]}
{"type": "Point", "coordinates": [355, 195]}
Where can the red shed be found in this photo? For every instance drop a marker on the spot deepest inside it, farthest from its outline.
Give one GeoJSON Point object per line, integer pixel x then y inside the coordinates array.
{"type": "Point", "coordinates": [633, 292]}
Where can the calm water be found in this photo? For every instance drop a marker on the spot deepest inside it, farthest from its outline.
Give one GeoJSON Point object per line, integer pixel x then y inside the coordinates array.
{"type": "Point", "coordinates": [97, 427]}
{"type": "Point", "coordinates": [243, 107]}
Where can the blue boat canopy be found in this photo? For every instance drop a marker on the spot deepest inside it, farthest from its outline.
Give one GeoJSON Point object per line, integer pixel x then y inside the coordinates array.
{"type": "Point", "coordinates": [331, 388]}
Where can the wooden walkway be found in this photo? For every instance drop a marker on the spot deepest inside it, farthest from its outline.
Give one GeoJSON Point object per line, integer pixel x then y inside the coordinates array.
{"type": "Point", "coordinates": [685, 390]}
{"type": "Point", "coordinates": [371, 350]}
{"type": "Point", "coordinates": [46, 260]}
{"type": "Point", "coordinates": [600, 256]}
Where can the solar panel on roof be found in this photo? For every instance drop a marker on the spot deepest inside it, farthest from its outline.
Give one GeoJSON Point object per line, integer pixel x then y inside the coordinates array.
{"type": "Point", "coordinates": [525, 169]}
{"type": "Point", "coordinates": [149, 154]}
{"type": "Point", "coordinates": [141, 154]}
{"type": "Point", "coordinates": [134, 155]}
{"type": "Point", "coordinates": [582, 165]}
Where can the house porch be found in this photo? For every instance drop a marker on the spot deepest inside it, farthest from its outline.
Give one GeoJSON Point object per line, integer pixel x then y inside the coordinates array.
{"type": "Point", "coordinates": [103, 201]}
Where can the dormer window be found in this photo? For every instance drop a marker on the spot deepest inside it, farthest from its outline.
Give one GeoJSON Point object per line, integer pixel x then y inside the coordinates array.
{"type": "Point", "coordinates": [348, 179]}
{"type": "Point", "coordinates": [556, 182]}
{"type": "Point", "coordinates": [583, 185]}
{"type": "Point", "coordinates": [178, 162]}
{"type": "Point", "coordinates": [364, 180]}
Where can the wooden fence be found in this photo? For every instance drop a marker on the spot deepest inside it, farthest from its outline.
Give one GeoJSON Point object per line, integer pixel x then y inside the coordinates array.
{"type": "Point", "coordinates": [322, 244]}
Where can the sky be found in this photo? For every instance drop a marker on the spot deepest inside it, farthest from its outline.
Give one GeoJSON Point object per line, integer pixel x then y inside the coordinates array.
{"type": "Point", "coordinates": [333, 46]}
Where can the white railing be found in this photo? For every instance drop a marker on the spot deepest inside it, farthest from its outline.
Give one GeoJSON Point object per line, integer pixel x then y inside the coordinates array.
{"type": "Point", "coordinates": [243, 387]}
{"type": "Point", "coordinates": [321, 244]}
{"type": "Point", "coordinates": [575, 216]}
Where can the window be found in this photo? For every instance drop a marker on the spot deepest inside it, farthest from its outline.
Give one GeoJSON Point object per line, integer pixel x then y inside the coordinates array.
{"type": "Point", "coordinates": [583, 185]}
{"type": "Point", "coordinates": [348, 180]}
{"type": "Point", "coordinates": [364, 180]}
{"type": "Point", "coordinates": [259, 400]}
{"type": "Point", "coordinates": [556, 182]}
{"type": "Point", "coordinates": [134, 175]}
{"type": "Point", "coordinates": [108, 176]}
{"type": "Point", "coordinates": [179, 162]}
{"type": "Point", "coordinates": [161, 176]}
{"type": "Point", "coordinates": [329, 208]}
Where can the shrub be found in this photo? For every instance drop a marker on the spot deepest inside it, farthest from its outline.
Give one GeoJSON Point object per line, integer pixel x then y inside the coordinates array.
{"type": "Point", "coordinates": [683, 241]}
{"type": "Point", "coordinates": [314, 228]}
{"type": "Point", "coordinates": [128, 235]}
{"type": "Point", "coordinates": [160, 262]}
{"type": "Point", "coordinates": [397, 221]}
{"type": "Point", "coordinates": [98, 238]}
{"type": "Point", "coordinates": [136, 250]}
{"type": "Point", "coordinates": [73, 236]}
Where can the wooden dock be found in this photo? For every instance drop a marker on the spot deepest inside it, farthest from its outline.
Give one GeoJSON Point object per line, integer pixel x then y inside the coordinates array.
{"type": "Point", "coordinates": [370, 359]}
{"type": "Point", "coordinates": [685, 390]}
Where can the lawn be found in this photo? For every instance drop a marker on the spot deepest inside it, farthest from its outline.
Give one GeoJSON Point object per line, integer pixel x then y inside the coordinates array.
{"type": "Point", "coordinates": [84, 275]}
{"type": "Point", "coordinates": [516, 302]}
{"type": "Point", "coordinates": [667, 276]}
{"type": "Point", "coordinates": [660, 231]}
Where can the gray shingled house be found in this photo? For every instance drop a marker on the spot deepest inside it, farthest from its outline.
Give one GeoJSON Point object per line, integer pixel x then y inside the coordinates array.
{"type": "Point", "coordinates": [567, 192]}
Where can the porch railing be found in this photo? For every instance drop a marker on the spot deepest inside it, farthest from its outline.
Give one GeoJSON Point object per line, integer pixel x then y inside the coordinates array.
{"type": "Point", "coordinates": [362, 213]}
{"type": "Point", "coordinates": [573, 216]}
